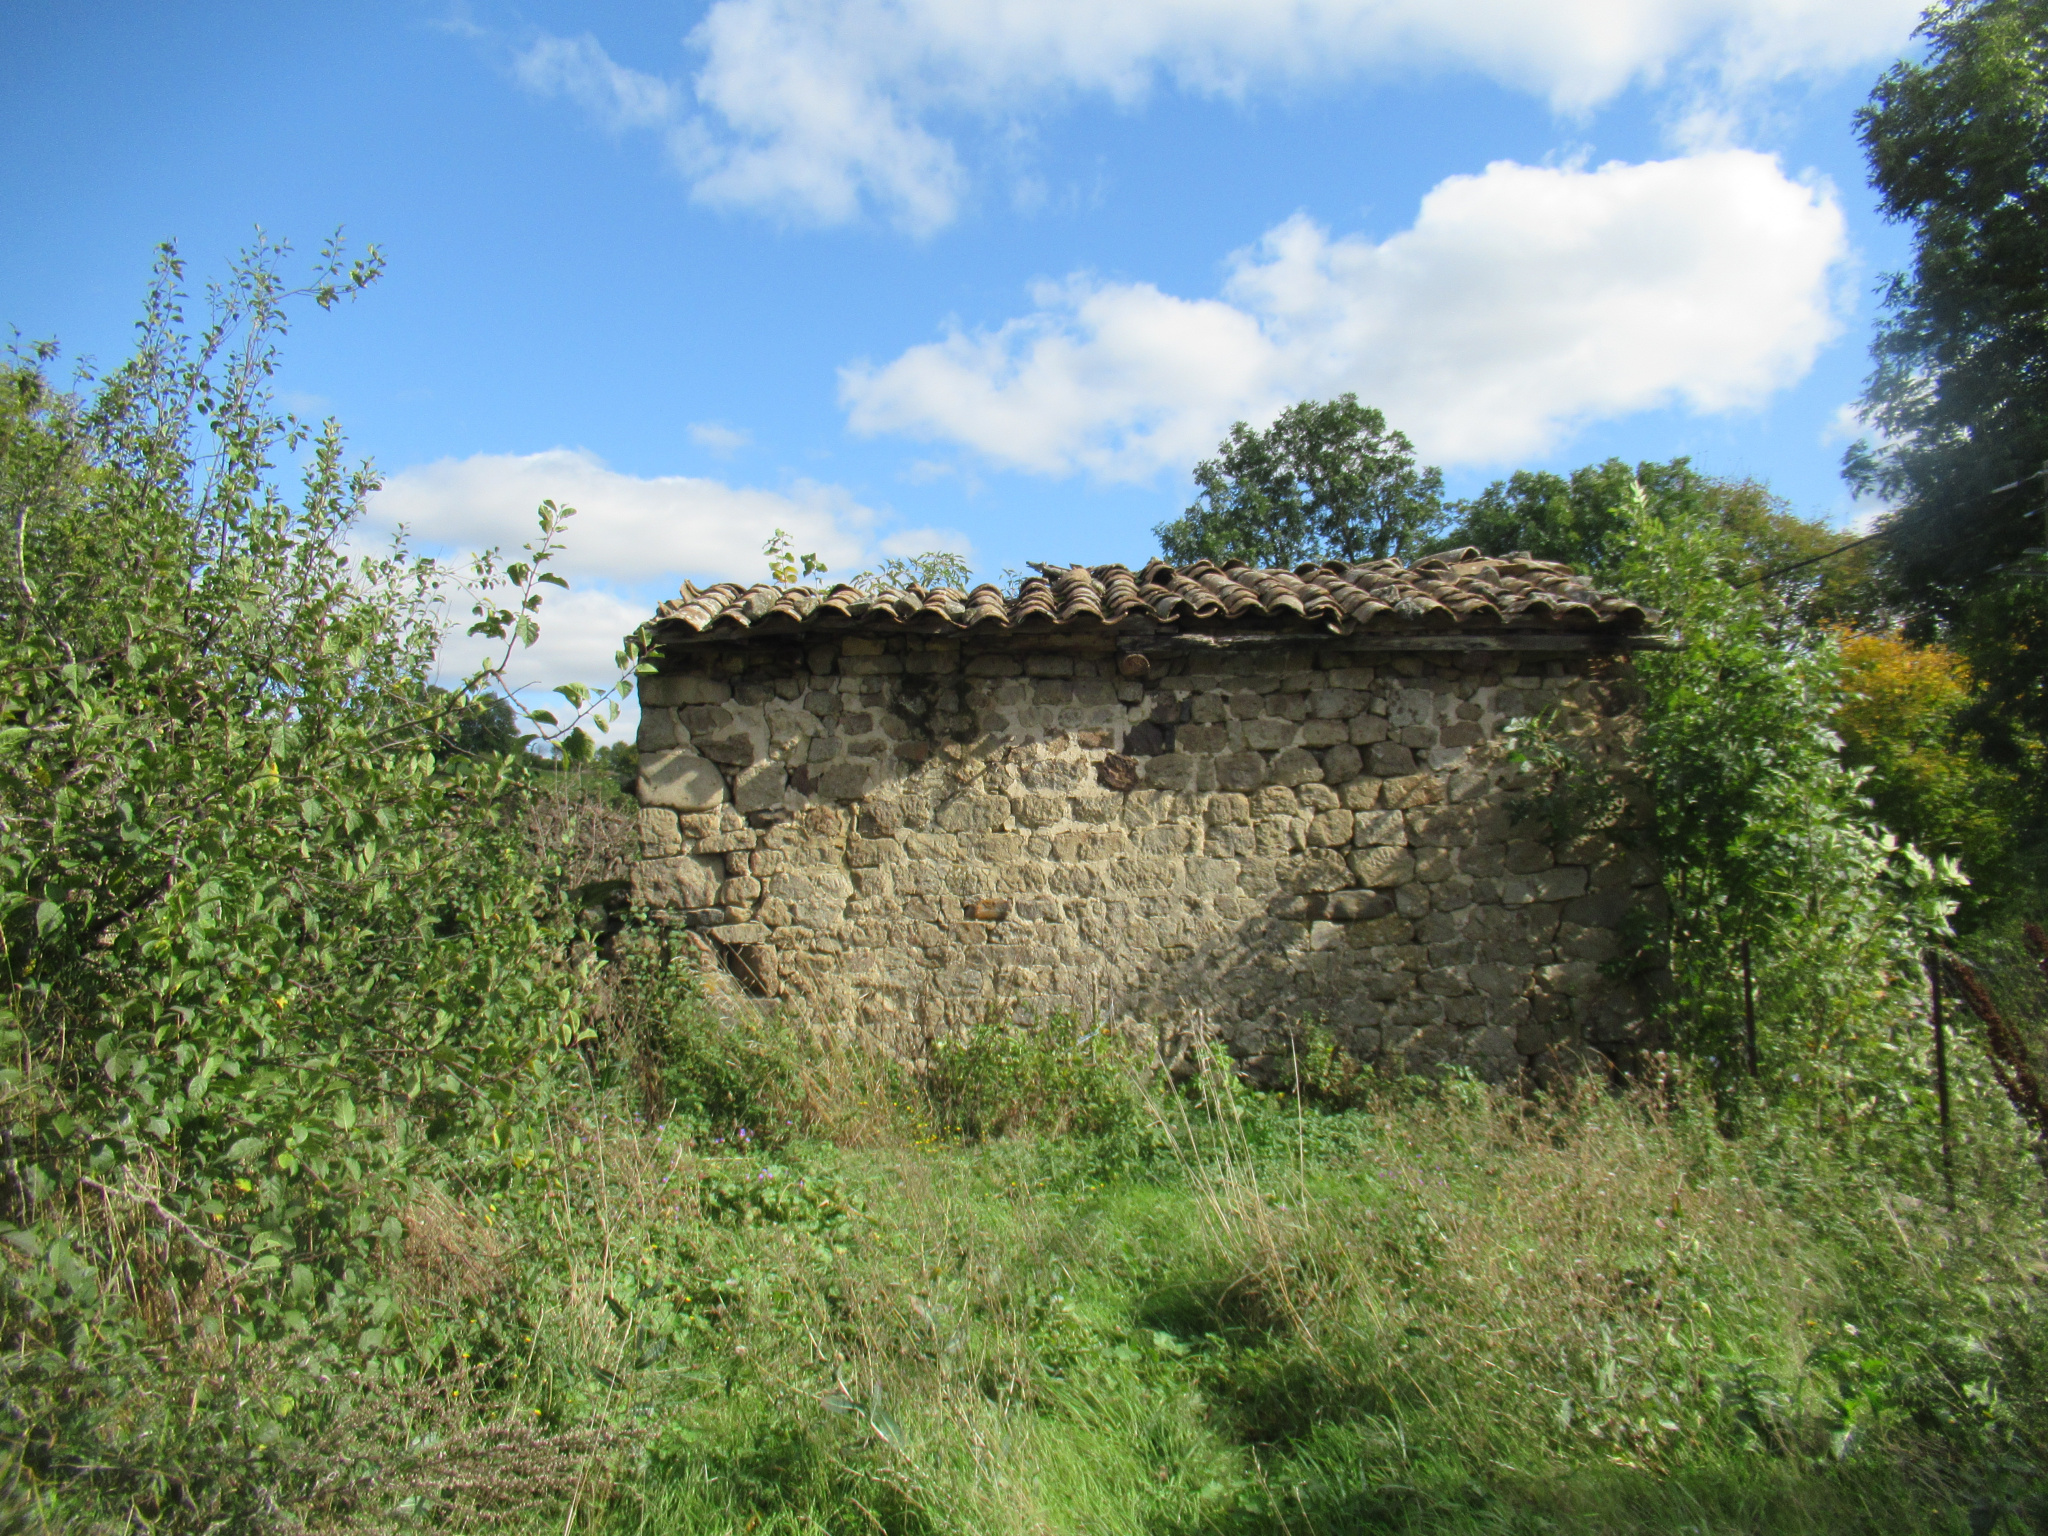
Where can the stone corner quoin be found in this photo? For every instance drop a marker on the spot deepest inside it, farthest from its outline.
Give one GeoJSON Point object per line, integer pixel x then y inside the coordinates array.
{"type": "Point", "coordinates": [1130, 820]}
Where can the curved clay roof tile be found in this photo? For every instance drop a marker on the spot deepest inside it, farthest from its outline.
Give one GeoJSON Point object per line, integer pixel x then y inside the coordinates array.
{"type": "Point", "coordinates": [1450, 589]}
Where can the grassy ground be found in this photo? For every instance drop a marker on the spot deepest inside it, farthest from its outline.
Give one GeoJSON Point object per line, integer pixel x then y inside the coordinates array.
{"type": "Point", "coordinates": [1440, 1309]}
{"type": "Point", "coordinates": [1032, 1292]}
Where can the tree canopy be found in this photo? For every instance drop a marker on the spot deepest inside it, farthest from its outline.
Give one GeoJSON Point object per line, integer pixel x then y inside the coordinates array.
{"type": "Point", "coordinates": [1958, 147]}
{"type": "Point", "coordinates": [1329, 479]}
{"type": "Point", "coordinates": [1591, 519]}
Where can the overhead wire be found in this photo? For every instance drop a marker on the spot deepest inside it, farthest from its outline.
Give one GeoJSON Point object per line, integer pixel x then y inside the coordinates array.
{"type": "Point", "coordinates": [1885, 533]}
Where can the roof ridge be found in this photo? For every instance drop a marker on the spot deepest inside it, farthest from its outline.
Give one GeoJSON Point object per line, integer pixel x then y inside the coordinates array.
{"type": "Point", "coordinates": [1457, 589]}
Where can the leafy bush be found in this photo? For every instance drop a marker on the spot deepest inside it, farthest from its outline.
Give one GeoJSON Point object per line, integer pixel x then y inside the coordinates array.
{"type": "Point", "coordinates": [1903, 714]}
{"type": "Point", "coordinates": [711, 1071]}
{"type": "Point", "coordinates": [273, 948]}
{"type": "Point", "coordinates": [1058, 1077]}
{"type": "Point", "coordinates": [1789, 902]}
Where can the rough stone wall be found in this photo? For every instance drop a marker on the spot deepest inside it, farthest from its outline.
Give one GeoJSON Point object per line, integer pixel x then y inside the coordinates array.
{"type": "Point", "coordinates": [902, 833]}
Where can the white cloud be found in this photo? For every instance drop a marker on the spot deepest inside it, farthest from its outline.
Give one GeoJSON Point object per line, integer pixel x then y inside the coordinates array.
{"type": "Point", "coordinates": [717, 437]}
{"type": "Point", "coordinates": [1522, 301]}
{"type": "Point", "coordinates": [628, 531]}
{"type": "Point", "coordinates": [630, 544]}
{"type": "Point", "coordinates": [814, 108]}
{"type": "Point", "coordinates": [1848, 424]}
{"type": "Point", "coordinates": [579, 68]}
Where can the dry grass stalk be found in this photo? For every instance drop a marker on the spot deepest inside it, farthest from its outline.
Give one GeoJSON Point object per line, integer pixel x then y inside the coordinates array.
{"type": "Point", "coordinates": [448, 1253]}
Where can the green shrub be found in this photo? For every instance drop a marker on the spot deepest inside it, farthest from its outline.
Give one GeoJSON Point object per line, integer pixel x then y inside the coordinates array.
{"type": "Point", "coordinates": [1059, 1077]}
{"type": "Point", "coordinates": [274, 950]}
{"type": "Point", "coordinates": [715, 1071]}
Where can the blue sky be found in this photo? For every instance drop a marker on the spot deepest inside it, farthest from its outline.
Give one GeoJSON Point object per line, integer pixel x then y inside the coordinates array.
{"type": "Point", "coordinates": [986, 274]}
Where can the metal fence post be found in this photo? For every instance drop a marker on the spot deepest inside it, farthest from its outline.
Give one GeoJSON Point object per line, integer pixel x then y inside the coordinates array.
{"type": "Point", "coordinates": [1748, 1010]}
{"type": "Point", "coordinates": [1948, 1174]}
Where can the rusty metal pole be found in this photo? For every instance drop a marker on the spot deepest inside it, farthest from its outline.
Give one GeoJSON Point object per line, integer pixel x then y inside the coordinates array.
{"type": "Point", "coordinates": [1948, 1175]}
{"type": "Point", "coordinates": [1748, 1010]}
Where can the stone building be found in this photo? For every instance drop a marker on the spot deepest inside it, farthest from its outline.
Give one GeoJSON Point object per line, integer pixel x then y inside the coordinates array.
{"type": "Point", "coordinates": [1263, 796]}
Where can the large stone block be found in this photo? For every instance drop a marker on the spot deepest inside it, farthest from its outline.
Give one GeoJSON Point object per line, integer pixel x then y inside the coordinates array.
{"type": "Point", "coordinates": [974, 813]}
{"type": "Point", "coordinates": [1379, 829]}
{"type": "Point", "coordinates": [705, 720]}
{"type": "Point", "coordinates": [1357, 906]}
{"type": "Point", "coordinates": [657, 731]}
{"type": "Point", "coordinates": [675, 691]}
{"type": "Point", "coordinates": [660, 833]}
{"type": "Point", "coordinates": [1294, 766]}
{"type": "Point", "coordinates": [682, 781]}
{"type": "Point", "coordinates": [1440, 827]}
{"type": "Point", "coordinates": [1172, 770]}
{"type": "Point", "coordinates": [1360, 794]}
{"type": "Point", "coordinates": [1341, 764]}
{"type": "Point", "coordinates": [846, 780]}
{"type": "Point", "coordinates": [734, 751]}
{"type": "Point", "coordinates": [1242, 771]}
{"type": "Point", "coordinates": [1330, 829]}
{"type": "Point", "coordinates": [1269, 735]}
{"type": "Point", "coordinates": [739, 933]}
{"type": "Point", "coordinates": [1320, 869]}
{"type": "Point", "coordinates": [1383, 933]}
{"type": "Point", "coordinates": [684, 880]}
{"type": "Point", "coordinates": [1412, 707]}
{"type": "Point", "coordinates": [760, 787]}
{"type": "Point", "coordinates": [1383, 868]}
{"type": "Point", "coordinates": [1416, 789]}
{"type": "Point", "coordinates": [1389, 759]}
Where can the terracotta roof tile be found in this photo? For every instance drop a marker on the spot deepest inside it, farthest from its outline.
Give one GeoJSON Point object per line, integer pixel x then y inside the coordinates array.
{"type": "Point", "coordinates": [1458, 590]}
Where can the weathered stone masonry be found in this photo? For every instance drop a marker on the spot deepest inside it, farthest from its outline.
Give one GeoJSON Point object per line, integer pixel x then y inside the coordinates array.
{"type": "Point", "coordinates": [1130, 818]}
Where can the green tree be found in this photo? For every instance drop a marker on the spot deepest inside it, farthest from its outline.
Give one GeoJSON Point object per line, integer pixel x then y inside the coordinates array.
{"type": "Point", "coordinates": [1588, 520]}
{"type": "Point", "coordinates": [1900, 713]}
{"type": "Point", "coordinates": [1958, 147]}
{"type": "Point", "coordinates": [484, 725]}
{"type": "Point", "coordinates": [1329, 480]}
{"type": "Point", "coordinates": [1767, 843]}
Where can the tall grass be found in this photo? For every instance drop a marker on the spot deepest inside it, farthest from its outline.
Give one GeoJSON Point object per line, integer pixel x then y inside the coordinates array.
{"type": "Point", "coordinates": [1041, 1288]}
{"type": "Point", "coordinates": [1450, 1309]}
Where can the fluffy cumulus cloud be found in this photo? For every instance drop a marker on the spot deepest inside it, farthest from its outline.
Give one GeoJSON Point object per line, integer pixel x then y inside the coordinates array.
{"type": "Point", "coordinates": [818, 108]}
{"type": "Point", "coordinates": [630, 544]}
{"type": "Point", "coordinates": [1521, 301]}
